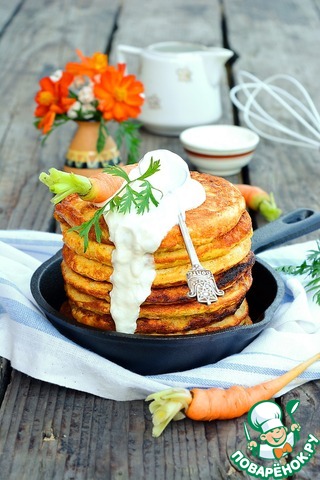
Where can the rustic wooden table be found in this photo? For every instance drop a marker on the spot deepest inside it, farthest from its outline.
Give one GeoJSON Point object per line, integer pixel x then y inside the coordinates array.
{"type": "Point", "coordinates": [49, 432]}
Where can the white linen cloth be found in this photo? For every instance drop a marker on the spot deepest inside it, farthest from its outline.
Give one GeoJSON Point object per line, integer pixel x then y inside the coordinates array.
{"type": "Point", "coordinates": [36, 348]}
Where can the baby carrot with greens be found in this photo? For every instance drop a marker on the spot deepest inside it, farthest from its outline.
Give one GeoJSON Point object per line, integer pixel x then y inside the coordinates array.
{"type": "Point", "coordinates": [260, 201]}
{"type": "Point", "coordinates": [216, 403]}
{"type": "Point", "coordinates": [97, 188]}
{"type": "Point", "coordinates": [113, 188]}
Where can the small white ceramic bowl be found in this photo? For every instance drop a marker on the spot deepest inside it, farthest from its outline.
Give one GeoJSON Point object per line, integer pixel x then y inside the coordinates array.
{"type": "Point", "coordinates": [219, 149]}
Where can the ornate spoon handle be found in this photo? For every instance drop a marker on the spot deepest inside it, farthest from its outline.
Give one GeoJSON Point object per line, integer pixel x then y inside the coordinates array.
{"type": "Point", "coordinates": [200, 281]}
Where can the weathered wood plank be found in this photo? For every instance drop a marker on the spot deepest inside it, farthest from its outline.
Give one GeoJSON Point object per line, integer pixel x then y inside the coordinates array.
{"type": "Point", "coordinates": [60, 433]}
{"type": "Point", "coordinates": [143, 23]}
{"type": "Point", "coordinates": [59, 28]}
{"type": "Point", "coordinates": [272, 38]}
{"type": "Point", "coordinates": [8, 11]}
{"type": "Point", "coordinates": [307, 415]}
{"type": "Point", "coordinates": [281, 39]}
{"type": "Point", "coordinates": [65, 432]}
{"type": "Point", "coordinates": [5, 371]}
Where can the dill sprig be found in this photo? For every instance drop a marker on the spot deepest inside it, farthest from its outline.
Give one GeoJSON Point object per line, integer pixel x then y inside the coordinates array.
{"type": "Point", "coordinates": [311, 268]}
{"type": "Point", "coordinates": [125, 199]}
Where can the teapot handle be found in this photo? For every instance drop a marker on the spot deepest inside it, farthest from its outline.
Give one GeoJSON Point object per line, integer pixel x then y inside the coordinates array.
{"type": "Point", "coordinates": [123, 49]}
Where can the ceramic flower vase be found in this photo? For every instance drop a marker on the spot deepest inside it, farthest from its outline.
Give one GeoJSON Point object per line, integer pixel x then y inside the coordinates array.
{"type": "Point", "coordinates": [82, 156]}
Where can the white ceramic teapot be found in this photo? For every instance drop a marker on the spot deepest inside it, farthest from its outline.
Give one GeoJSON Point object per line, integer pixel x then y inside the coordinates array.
{"type": "Point", "coordinates": [181, 82]}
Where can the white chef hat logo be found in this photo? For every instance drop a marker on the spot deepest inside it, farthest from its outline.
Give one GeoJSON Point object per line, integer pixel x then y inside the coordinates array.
{"type": "Point", "coordinates": [265, 416]}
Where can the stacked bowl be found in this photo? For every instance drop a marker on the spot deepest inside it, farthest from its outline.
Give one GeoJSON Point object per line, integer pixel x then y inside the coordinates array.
{"type": "Point", "coordinates": [219, 149]}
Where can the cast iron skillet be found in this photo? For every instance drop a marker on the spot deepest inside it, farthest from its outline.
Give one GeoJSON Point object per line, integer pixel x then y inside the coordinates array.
{"type": "Point", "coordinates": [150, 355]}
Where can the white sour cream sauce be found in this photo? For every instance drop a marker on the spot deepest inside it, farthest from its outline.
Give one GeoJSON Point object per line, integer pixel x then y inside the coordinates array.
{"type": "Point", "coordinates": [137, 237]}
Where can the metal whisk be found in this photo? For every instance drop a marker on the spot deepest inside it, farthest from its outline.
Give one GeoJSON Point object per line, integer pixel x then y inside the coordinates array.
{"type": "Point", "coordinates": [253, 91]}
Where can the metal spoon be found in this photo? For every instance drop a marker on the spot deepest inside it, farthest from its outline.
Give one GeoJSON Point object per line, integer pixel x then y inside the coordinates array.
{"type": "Point", "coordinates": [200, 281]}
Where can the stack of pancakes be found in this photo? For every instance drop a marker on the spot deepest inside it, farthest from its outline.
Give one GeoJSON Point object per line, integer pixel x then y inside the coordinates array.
{"type": "Point", "coordinates": [221, 232]}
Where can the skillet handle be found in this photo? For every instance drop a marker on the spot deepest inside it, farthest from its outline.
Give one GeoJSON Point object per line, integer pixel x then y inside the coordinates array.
{"type": "Point", "coordinates": [288, 227]}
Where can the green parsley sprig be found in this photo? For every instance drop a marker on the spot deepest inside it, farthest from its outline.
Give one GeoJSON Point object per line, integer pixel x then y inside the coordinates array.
{"type": "Point", "coordinates": [125, 199]}
{"type": "Point", "coordinates": [311, 268]}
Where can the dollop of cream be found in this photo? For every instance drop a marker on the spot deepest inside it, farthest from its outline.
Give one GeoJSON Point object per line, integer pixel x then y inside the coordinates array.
{"type": "Point", "coordinates": [137, 237]}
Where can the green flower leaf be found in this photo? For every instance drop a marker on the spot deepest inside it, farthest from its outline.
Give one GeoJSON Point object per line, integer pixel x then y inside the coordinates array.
{"type": "Point", "coordinates": [102, 136]}
{"type": "Point", "coordinates": [127, 134]}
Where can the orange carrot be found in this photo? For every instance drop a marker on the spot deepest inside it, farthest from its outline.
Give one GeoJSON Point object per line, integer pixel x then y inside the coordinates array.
{"type": "Point", "coordinates": [97, 188]}
{"type": "Point", "coordinates": [104, 186]}
{"type": "Point", "coordinates": [259, 200]}
{"type": "Point", "coordinates": [216, 403]}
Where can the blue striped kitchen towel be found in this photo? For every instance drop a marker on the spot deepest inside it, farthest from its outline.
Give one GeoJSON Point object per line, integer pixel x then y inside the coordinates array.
{"type": "Point", "coordinates": [36, 348]}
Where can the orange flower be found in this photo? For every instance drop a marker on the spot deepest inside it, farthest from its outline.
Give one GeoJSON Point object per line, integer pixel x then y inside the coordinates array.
{"type": "Point", "coordinates": [52, 99]}
{"type": "Point", "coordinates": [119, 95]}
{"type": "Point", "coordinates": [89, 66]}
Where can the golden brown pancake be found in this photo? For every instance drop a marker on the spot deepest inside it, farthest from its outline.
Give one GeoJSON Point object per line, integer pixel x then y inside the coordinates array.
{"type": "Point", "coordinates": [221, 231]}
{"type": "Point", "coordinates": [220, 213]}
{"type": "Point", "coordinates": [105, 322]}
{"type": "Point", "coordinates": [91, 263]}
{"type": "Point", "coordinates": [216, 247]}
{"type": "Point", "coordinates": [179, 294]}
{"type": "Point", "coordinates": [185, 314]}
{"type": "Point", "coordinates": [240, 317]}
